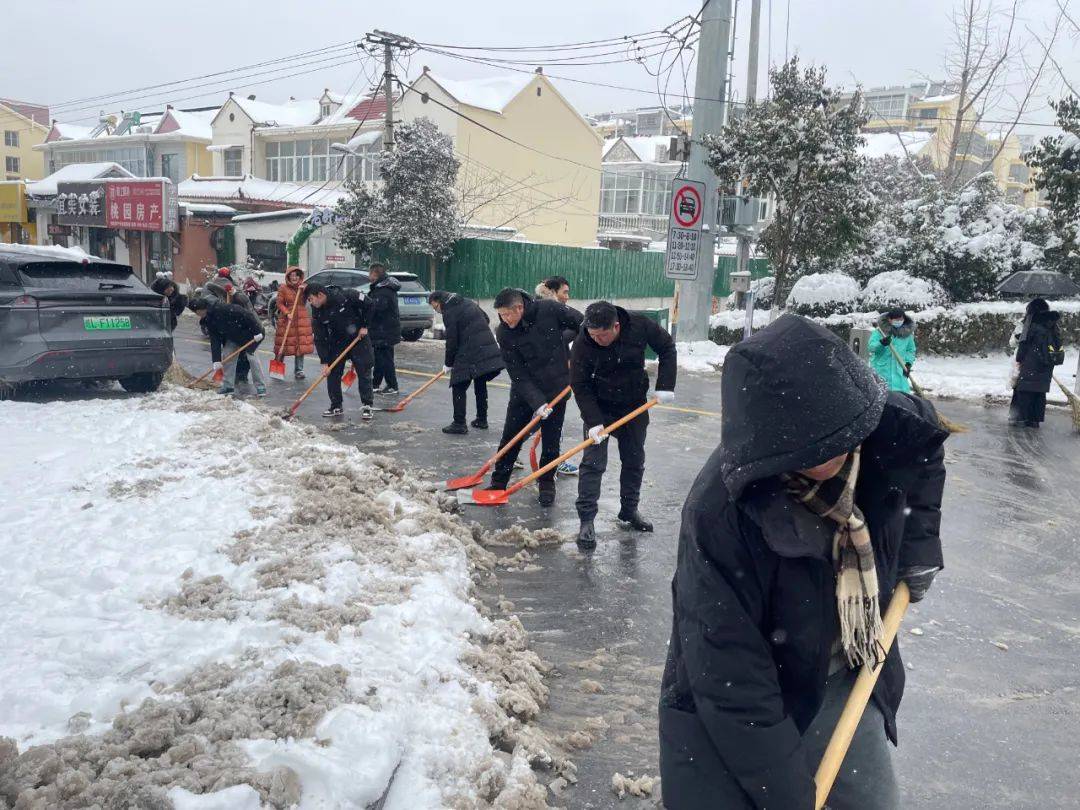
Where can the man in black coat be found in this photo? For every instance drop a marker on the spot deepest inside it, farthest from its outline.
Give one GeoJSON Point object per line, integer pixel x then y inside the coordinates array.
{"type": "Point", "coordinates": [758, 669]}
{"type": "Point", "coordinates": [231, 326]}
{"type": "Point", "coordinates": [531, 335]}
{"type": "Point", "coordinates": [385, 327]}
{"type": "Point", "coordinates": [472, 356]}
{"type": "Point", "coordinates": [338, 316]}
{"type": "Point", "coordinates": [609, 380]}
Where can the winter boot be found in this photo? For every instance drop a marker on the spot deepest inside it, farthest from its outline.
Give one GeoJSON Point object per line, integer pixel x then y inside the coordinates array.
{"type": "Point", "coordinates": [331, 412]}
{"type": "Point", "coordinates": [480, 423]}
{"type": "Point", "coordinates": [546, 497]}
{"type": "Point", "coordinates": [366, 413]}
{"type": "Point", "coordinates": [260, 391]}
{"type": "Point", "coordinates": [456, 429]}
{"type": "Point", "coordinates": [586, 536]}
{"type": "Point", "coordinates": [633, 520]}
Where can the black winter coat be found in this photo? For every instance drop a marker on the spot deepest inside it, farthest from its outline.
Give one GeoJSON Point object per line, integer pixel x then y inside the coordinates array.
{"type": "Point", "coordinates": [336, 323]}
{"type": "Point", "coordinates": [385, 327]}
{"type": "Point", "coordinates": [230, 323]}
{"type": "Point", "coordinates": [1033, 354]}
{"type": "Point", "coordinates": [471, 350]}
{"type": "Point", "coordinates": [177, 301]}
{"type": "Point", "coordinates": [535, 350]}
{"type": "Point", "coordinates": [613, 379]}
{"type": "Point", "coordinates": [755, 615]}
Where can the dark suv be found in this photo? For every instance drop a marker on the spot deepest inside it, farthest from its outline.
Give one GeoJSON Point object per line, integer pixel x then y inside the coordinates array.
{"type": "Point", "coordinates": [63, 317]}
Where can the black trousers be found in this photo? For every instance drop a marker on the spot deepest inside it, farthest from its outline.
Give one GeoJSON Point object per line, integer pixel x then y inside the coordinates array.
{"type": "Point", "coordinates": [1028, 407]}
{"type": "Point", "coordinates": [518, 414]}
{"type": "Point", "coordinates": [460, 391]}
{"type": "Point", "coordinates": [243, 367]}
{"type": "Point", "coordinates": [631, 439]}
{"type": "Point", "coordinates": [384, 367]}
{"type": "Point", "coordinates": [360, 356]}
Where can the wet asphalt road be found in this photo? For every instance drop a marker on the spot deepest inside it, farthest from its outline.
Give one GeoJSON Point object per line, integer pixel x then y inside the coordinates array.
{"type": "Point", "coordinates": [991, 717]}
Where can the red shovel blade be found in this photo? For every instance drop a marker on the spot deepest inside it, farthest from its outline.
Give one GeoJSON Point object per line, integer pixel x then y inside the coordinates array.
{"type": "Point", "coordinates": [467, 481]}
{"type": "Point", "coordinates": [490, 497]}
{"type": "Point", "coordinates": [277, 369]}
{"type": "Point", "coordinates": [397, 408]}
{"type": "Point", "coordinates": [219, 375]}
{"type": "Point", "coordinates": [350, 377]}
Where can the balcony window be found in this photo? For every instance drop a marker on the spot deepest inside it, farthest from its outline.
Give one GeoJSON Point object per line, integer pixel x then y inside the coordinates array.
{"type": "Point", "coordinates": [234, 162]}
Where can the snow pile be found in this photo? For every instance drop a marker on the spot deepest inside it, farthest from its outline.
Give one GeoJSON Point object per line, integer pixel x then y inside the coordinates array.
{"type": "Point", "coordinates": [823, 294]}
{"type": "Point", "coordinates": [701, 355]}
{"type": "Point", "coordinates": [896, 288]}
{"type": "Point", "coordinates": [207, 607]}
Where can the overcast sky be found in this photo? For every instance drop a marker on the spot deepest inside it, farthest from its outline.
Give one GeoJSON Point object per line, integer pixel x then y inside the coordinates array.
{"type": "Point", "coordinates": [55, 51]}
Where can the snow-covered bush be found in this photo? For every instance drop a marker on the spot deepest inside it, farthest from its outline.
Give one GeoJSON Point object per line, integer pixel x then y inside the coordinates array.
{"type": "Point", "coordinates": [820, 294]}
{"type": "Point", "coordinates": [764, 290]}
{"type": "Point", "coordinates": [896, 288]}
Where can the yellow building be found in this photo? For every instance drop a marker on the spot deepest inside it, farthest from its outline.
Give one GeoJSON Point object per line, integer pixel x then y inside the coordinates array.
{"type": "Point", "coordinates": [529, 160]}
{"type": "Point", "coordinates": [24, 126]}
{"type": "Point", "coordinates": [1012, 173]}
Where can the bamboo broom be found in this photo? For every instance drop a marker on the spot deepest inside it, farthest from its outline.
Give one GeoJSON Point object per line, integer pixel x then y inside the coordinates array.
{"type": "Point", "coordinates": [1074, 402]}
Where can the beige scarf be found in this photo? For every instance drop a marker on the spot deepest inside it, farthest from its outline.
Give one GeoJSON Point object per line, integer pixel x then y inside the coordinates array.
{"type": "Point", "coordinates": [853, 555]}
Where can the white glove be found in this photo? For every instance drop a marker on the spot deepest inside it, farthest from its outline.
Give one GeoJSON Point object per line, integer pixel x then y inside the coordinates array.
{"type": "Point", "coordinates": [447, 369]}
{"type": "Point", "coordinates": [597, 435]}
{"type": "Point", "coordinates": [217, 366]}
{"type": "Point", "coordinates": [258, 338]}
{"type": "Point", "coordinates": [543, 412]}
{"type": "Point", "coordinates": [664, 397]}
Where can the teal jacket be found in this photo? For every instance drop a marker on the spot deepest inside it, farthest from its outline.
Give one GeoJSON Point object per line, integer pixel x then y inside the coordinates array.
{"type": "Point", "coordinates": [884, 362]}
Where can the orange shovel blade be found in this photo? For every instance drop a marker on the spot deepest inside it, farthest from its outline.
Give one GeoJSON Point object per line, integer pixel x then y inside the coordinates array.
{"type": "Point", "coordinates": [466, 481]}
{"type": "Point", "coordinates": [277, 369]}
{"type": "Point", "coordinates": [219, 375]}
{"type": "Point", "coordinates": [350, 377]}
{"type": "Point", "coordinates": [490, 497]}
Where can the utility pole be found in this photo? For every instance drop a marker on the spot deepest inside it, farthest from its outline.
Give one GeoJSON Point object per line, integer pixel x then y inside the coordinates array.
{"type": "Point", "coordinates": [389, 42]}
{"type": "Point", "coordinates": [742, 249]}
{"type": "Point", "coordinates": [695, 305]}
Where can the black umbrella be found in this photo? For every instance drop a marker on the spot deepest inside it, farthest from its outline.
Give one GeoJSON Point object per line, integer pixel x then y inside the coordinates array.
{"type": "Point", "coordinates": [1039, 283]}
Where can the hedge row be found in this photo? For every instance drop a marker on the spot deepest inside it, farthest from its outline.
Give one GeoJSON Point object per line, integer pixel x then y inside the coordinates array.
{"type": "Point", "coordinates": [966, 329]}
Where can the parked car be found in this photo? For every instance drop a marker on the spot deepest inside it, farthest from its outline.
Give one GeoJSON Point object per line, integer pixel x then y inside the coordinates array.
{"type": "Point", "coordinates": [65, 317]}
{"type": "Point", "coordinates": [416, 313]}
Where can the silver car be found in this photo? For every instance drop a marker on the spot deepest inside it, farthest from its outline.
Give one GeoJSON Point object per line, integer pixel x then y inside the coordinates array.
{"type": "Point", "coordinates": [413, 307]}
{"type": "Point", "coordinates": [62, 318]}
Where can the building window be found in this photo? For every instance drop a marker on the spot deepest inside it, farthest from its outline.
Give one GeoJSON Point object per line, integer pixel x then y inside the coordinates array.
{"type": "Point", "coordinates": [267, 255]}
{"type": "Point", "coordinates": [11, 137]}
{"type": "Point", "coordinates": [170, 167]}
{"type": "Point", "coordinates": [324, 110]}
{"type": "Point", "coordinates": [312, 161]}
{"type": "Point", "coordinates": [132, 158]}
{"type": "Point", "coordinates": [1019, 173]}
{"type": "Point", "coordinates": [928, 112]}
{"type": "Point", "coordinates": [234, 162]}
{"type": "Point", "coordinates": [11, 164]}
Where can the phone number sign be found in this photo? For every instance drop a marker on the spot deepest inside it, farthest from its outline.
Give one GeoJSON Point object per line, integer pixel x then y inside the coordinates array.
{"type": "Point", "coordinates": [684, 229]}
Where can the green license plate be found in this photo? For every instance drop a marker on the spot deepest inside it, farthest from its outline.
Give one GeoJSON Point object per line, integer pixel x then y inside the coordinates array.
{"type": "Point", "coordinates": [94, 323]}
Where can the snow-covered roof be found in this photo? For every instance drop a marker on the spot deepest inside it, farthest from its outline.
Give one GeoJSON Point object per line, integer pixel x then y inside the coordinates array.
{"type": "Point", "coordinates": [254, 189]}
{"type": "Point", "coordinates": [284, 214]}
{"type": "Point", "coordinates": [294, 113]}
{"type": "Point", "coordinates": [937, 99]}
{"type": "Point", "coordinates": [208, 208]}
{"type": "Point", "coordinates": [69, 132]}
{"type": "Point", "coordinates": [364, 139]}
{"type": "Point", "coordinates": [492, 93]}
{"type": "Point", "coordinates": [644, 146]}
{"type": "Point", "coordinates": [894, 144]}
{"type": "Point", "coordinates": [191, 124]}
{"type": "Point", "coordinates": [75, 172]}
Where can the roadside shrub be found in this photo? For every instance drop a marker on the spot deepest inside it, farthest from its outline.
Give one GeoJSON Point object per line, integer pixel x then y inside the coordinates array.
{"type": "Point", "coordinates": [897, 288]}
{"type": "Point", "coordinates": [822, 294]}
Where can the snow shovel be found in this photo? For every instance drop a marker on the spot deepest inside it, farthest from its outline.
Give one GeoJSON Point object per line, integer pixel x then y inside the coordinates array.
{"type": "Point", "coordinates": [402, 405]}
{"type": "Point", "coordinates": [289, 414]}
{"type": "Point", "coordinates": [944, 422]}
{"type": "Point", "coordinates": [467, 481]}
{"type": "Point", "coordinates": [350, 376]}
{"type": "Point", "coordinates": [219, 374]}
{"type": "Point", "coordinates": [1074, 402]}
{"type": "Point", "coordinates": [498, 497]}
{"type": "Point", "coordinates": [844, 732]}
{"type": "Point", "coordinates": [277, 365]}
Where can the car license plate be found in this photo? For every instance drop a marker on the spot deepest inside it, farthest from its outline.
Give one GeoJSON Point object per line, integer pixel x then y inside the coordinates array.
{"type": "Point", "coordinates": [413, 299]}
{"type": "Point", "coordinates": [94, 323]}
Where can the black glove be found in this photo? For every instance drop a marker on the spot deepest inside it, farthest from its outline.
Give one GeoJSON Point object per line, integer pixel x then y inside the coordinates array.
{"type": "Point", "coordinates": [919, 578]}
{"type": "Point", "coordinates": [886, 340]}
{"type": "Point", "coordinates": [907, 369]}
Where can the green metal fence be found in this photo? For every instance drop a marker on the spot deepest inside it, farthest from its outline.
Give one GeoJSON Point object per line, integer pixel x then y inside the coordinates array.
{"type": "Point", "coordinates": [479, 268]}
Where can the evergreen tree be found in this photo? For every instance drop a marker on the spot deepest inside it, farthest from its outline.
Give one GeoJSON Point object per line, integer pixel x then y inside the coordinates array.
{"type": "Point", "coordinates": [1056, 161]}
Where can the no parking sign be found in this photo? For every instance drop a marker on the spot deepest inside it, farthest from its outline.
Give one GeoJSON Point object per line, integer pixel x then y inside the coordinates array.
{"type": "Point", "coordinates": [684, 229]}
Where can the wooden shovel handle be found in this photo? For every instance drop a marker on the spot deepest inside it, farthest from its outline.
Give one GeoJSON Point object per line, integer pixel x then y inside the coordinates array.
{"type": "Point", "coordinates": [228, 357]}
{"type": "Point", "coordinates": [618, 423]}
{"type": "Point", "coordinates": [841, 738]}
{"type": "Point", "coordinates": [325, 374]}
{"type": "Point", "coordinates": [421, 389]}
{"type": "Point", "coordinates": [289, 323]}
{"type": "Point", "coordinates": [521, 434]}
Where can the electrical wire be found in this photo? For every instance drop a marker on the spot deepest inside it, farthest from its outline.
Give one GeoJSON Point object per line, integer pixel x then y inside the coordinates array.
{"type": "Point", "coordinates": [564, 47]}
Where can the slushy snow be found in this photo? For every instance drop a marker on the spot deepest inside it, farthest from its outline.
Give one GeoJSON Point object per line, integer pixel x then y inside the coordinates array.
{"type": "Point", "coordinates": [205, 607]}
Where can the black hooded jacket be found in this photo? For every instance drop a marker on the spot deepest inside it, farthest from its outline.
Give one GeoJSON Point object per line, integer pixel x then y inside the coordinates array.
{"type": "Point", "coordinates": [535, 350]}
{"type": "Point", "coordinates": [471, 350]}
{"type": "Point", "coordinates": [229, 323]}
{"type": "Point", "coordinates": [1039, 337]}
{"type": "Point", "coordinates": [385, 327]}
{"type": "Point", "coordinates": [754, 600]}
{"type": "Point", "coordinates": [337, 322]}
{"type": "Point", "coordinates": [612, 379]}
{"type": "Point", "coordinates": [177, 301]}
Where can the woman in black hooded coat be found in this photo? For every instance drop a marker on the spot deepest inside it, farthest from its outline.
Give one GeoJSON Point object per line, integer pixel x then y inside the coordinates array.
{"type": "Point", "coordinates": [472, 356]}
{"type": "Point", "coordinates": [753, 682]}
{"type": "Point", "coordinates": [1039, 340]}
{"type": "Point", "coordinates": [163, 285]}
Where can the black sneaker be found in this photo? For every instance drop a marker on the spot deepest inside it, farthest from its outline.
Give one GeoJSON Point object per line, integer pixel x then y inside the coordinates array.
{"type": "Point", "coordinates": [298, 375]}
{"type": "Point", "coordinates": [366, 413]}
{"type": "Point", "coordinates": [456, 428]}
{"type": "Point", "coordinates": [479, 424]}
{"type": "Point", "coordinates": [586, 536]}
{"type": "Point", "coordinates": [633, 519]}
{"type": "Point", "coordinates": [387, 390]}
{"type": "Point", "coordinates": [330, 412]}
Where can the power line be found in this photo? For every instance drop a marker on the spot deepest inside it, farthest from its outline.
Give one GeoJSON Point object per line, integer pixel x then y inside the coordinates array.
{"type": "Point", "coordinates": [564, 47]}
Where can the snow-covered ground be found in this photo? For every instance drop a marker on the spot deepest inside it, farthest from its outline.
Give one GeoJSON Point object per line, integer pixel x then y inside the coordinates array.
{"type": "Point", "coordinates": [977, 377]}
{"type": "Point", "coordinates": [206, 605]}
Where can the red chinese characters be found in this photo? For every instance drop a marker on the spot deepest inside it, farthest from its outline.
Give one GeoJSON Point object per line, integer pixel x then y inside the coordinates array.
{"type": "Point", "coordinates": [134, 205]}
